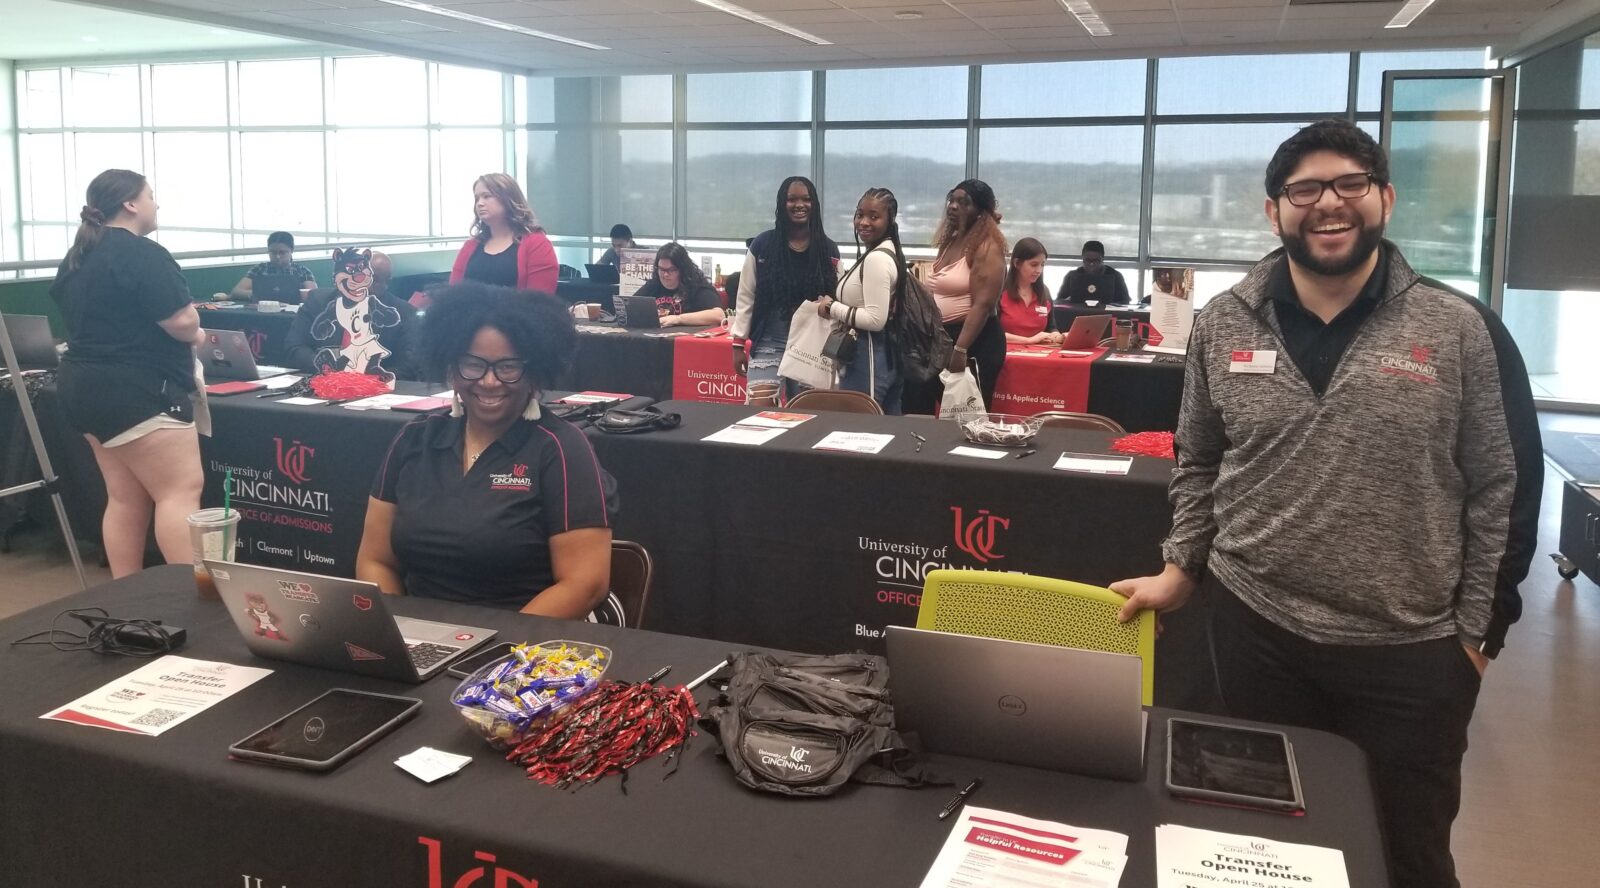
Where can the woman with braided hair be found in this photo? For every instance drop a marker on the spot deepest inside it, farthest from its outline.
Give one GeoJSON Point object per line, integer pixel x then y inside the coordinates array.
{"type": "Point", "coordinates": [791, 263]}
{"type": "Point", "coordinates": [965, 282]}
{"type": "Point", "coordinates": [129, 370]}
{"type": "Point", "coordinates": [867, 294]}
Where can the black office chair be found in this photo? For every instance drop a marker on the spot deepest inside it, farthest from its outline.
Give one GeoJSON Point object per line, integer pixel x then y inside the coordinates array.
{"type": "Point", "coordinates": [567, 273]}
{"type": "Point", "coordinates": [631, 573]}
{"type": "Point", "coordinates": [730, 289]}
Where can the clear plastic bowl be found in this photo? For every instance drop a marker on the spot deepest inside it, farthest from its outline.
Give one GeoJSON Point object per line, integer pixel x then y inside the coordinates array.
{"type": "Point", "coordinates": [999, 429]}
{"type": "Point", "coordinates": [495, 727]}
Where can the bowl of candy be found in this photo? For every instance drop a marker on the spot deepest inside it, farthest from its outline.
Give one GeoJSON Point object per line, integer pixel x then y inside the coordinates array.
{"type": "Point", "coordinates": [998, 429]}
{"type": "Point", "coordinates": [510, 696]}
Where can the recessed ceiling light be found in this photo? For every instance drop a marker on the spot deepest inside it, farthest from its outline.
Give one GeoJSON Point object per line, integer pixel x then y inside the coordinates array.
{"type": "Point", "coordinates": [1408, 13]}
{"type": "Point", "coordinates": [756, 18]}
{"type": "Point", "coordinates": [489, 22]}
{"type": "Point", "coordinates": [1086, 16]}
{"type": "Point", "coordinates": [908, 15]}
{"type": "Point", "coordinates": [87, 38]}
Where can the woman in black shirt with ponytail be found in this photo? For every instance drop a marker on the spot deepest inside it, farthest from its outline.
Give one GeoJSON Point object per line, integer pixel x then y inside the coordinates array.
{"type": "Point", "coordinates": [128, 378]}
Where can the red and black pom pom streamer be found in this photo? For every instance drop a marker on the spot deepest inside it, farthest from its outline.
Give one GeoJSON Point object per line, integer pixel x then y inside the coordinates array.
{"type": "Point", "coordinates": [1146, 444]}
{"type": "Point", "coordinates": [608, 730]}
{"type": "Point", "coordinates": [347, 385]}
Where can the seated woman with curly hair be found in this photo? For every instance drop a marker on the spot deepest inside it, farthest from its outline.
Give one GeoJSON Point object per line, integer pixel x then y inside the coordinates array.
{"type": "Point", "coordinates": [497, 504]}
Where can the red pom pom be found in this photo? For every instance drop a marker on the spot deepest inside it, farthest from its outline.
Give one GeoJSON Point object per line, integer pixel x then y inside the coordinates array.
{"type": "Point", "coordinates": [347, 385]}
{"type": "Point", "coordinates": [1146, 444]}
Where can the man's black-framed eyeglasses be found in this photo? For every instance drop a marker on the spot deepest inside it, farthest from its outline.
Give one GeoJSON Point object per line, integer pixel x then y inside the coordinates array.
{"type": "Point", "coordinates": [1308, 191]}
{"type": "Point", "coordinates": [508, 370]}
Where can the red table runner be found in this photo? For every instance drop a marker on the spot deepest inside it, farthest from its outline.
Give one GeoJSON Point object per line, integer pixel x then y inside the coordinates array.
{"type": "Point", "coordinates": [702, 370]}
{"type": "Point", "coordinates": [1037, 378]}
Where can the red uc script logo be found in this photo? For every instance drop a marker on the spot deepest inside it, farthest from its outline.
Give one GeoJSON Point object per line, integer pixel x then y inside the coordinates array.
{"type": "Point", "coordinates": [293, 459]}
{"type": "Point", "coordinates": [256, 339]}
{"type": "Point", "coordinates": [977, 537]}
{"type": "Point", "coordinates": [520, 470]}
{"type": "Point", "coordinates": [1421, 354]}
{"type": "Point", "coordinates": [503, 878]}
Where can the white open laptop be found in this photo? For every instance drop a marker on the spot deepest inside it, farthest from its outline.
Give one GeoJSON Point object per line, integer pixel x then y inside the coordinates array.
{"type": "Point", "coordinates": [1041, 705]}
{"type": "Point", "coordinates": [336, 623]}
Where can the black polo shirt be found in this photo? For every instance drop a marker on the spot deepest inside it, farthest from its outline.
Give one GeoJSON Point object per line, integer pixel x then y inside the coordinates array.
{"type": "Point", "coordinates": [483, 536]}
{"type": "Point", "coordinates": [1316, 347]}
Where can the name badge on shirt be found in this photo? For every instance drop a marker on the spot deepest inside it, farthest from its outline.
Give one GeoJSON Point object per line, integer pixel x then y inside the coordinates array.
{"type": "Point", "coordinates": [1042, 309]}
{"type": "Point", "coordinates": [1253, 362]}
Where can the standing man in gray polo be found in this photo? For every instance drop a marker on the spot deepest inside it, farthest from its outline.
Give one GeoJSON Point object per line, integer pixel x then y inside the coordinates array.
{"type": "Point", "coordinates": [1359, 472]}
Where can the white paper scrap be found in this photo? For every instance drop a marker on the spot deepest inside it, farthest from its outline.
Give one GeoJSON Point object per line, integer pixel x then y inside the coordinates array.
{"type": "Point", "coordinates": [428, 764]}
{"type": "Point", "coordinates": [979, 453]}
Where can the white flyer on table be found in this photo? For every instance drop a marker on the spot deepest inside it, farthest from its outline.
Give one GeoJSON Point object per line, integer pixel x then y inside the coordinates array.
{"type": "Point", "coordinates": [1094, 463]}
{"type": "Point", "coordinates": [1193, 858]}
{"type": "Point", "coordinates": [992, 848]}
{"type": "Point", "coordinates": [273, 383]}
{"type": "Point", "coordinates": [379, 402]}
{"type": "Point", "coordinates": [963, 450]}
{"type": "Point", "coordinates": [158, 695]}
{"type": "Point", "coordinates": [854, 442]}
{"type": "Point", "coordinates": [744, 434]}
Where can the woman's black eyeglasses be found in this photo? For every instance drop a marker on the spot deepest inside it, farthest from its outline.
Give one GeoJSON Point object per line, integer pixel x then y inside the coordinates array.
{"type": "Point", "coordinates": [508, 370]}
{"type": "Point", "coordinates": [1308, 191]}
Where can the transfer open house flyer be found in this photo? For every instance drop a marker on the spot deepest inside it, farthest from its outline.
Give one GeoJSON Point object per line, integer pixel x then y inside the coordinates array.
{"type": "Point", "coordinates": [159, 695]}
{"type": "Point", "coordinates": [1199, 858]}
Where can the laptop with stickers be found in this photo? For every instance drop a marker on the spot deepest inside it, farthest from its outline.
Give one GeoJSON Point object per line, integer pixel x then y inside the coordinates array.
{"type": "Point", "coordinates": [226, 355]}
{"type": "Point", "coordinates": [336, 623]}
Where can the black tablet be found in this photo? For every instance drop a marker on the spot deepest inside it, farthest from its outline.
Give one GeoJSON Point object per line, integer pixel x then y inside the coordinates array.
{"type": "Point", "coordinates": [1232, 765]}
{"type": "Point", "coordinates": [464, 667]}
{"type": "Point", "coordinates": [322, 734]}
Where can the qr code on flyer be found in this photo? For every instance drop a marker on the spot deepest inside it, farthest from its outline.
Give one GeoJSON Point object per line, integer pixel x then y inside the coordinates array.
{"type": "Point", "coordinates": [156, 718]}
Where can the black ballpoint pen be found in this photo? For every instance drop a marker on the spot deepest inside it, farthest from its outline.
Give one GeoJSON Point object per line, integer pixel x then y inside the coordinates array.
{"type": "Point", "coordinates": [951, 806]}
{"type": "Point", "coordinates": [656, 676]}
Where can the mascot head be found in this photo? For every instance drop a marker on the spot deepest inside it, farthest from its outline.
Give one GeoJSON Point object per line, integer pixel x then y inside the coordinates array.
{"type": "Point", "coordinates": [352, 273]}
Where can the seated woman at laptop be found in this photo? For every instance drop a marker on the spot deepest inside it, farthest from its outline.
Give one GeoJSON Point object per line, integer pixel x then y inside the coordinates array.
{"type": "Point", "coordinates": [498, 503]}
{"type": "Point", "coordinates": [280, 264]}
{"type": "Point", "coordinates": [683, 295]}
{"type": "Point", "coordinates": [1025, 311]}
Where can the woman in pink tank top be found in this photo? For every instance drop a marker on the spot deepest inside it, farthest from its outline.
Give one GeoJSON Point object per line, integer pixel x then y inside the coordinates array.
{"type": "Point", "coordinates": [965, 283]}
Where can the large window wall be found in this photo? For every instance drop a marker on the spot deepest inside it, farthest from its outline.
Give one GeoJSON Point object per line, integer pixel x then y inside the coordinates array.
{"type": "Point", "coordinates": [327, 148]}
{"type": "Point", "coordinates": [1160, 159]}
{"type": "Point", "coordinates": [1552, 297]}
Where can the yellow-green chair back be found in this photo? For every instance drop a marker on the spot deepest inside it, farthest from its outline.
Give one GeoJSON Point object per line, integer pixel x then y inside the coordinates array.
{"type": "Point", "coordinates": [1039, 610]}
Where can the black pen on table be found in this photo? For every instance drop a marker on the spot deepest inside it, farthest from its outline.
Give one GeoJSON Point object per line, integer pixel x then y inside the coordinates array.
{"type": "Point", "coordinates": [1026, 453]}
{"type": "Point", "coordinates": [657, 675]}
{"type": "Point", "coordinates": [961, 797]}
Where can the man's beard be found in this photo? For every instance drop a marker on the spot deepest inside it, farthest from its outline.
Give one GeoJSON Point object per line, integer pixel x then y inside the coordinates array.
{"type": "Point", "coordinates": [1367, 238]}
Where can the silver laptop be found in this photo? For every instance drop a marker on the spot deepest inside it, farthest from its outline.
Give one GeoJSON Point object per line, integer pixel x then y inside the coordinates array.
{"type": "Point", "coordinates": [30, 337]}
{"type": "Point", "coordinates": [226, 355]}
{"type": "Point", "coordinates": [1087, 331]}
{"type": "Point", "coordinates": [336, 623]}
{"type": "Point", "coordinates": [1058, 708]}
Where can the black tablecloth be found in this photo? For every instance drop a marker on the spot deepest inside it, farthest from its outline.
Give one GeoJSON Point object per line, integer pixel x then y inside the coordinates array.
{"type": "Point", "coordinates": [786, 546]}
{"type": "Point", "coordinates": [1140, 397]}
{"type": "Point", "coordinates": [612, 359]}
{"type": "Point", "coordinates": [85, 806]}
{"type": "Point", "coordinates": [267, 331]}
{"type": "Point", "coordinates": [303, 473]}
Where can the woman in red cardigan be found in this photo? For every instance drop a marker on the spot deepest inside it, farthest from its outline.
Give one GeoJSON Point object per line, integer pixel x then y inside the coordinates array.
{"type": "Point", "coordinates": [508, 248]}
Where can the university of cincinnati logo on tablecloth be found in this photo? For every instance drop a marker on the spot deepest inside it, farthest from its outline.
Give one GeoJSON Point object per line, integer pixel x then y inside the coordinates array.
{"type": "Point", "coordinates": [294, 460]}
{"type": "Point", "coordinates": [977, 537]}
